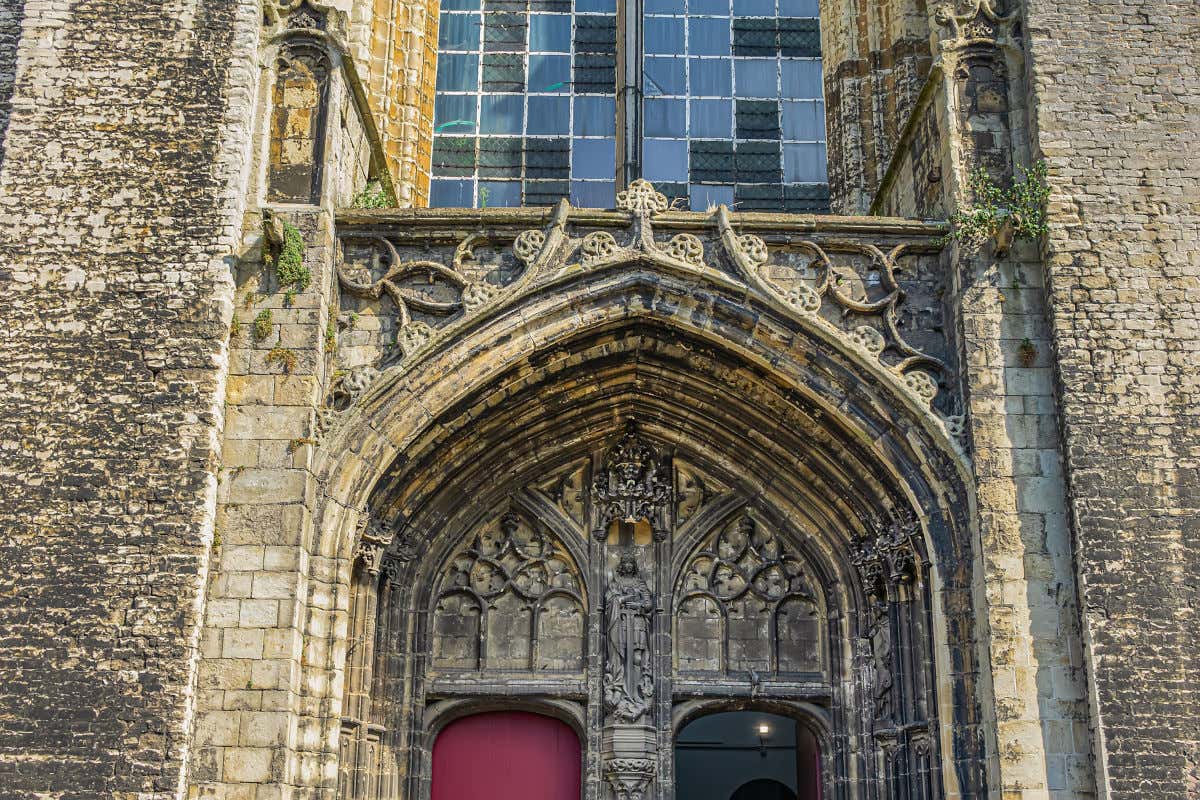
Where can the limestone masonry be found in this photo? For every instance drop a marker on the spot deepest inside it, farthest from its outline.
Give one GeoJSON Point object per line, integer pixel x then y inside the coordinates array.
{"type": "Point", "coordinates": [299, 473]}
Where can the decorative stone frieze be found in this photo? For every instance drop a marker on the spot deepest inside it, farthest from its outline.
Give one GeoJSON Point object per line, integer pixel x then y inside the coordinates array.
{"type": "Point", "coordinates": [863, 283]}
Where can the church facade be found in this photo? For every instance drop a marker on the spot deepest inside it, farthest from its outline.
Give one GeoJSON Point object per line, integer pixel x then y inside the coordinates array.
{"type": "Point", "coordinates": [719, 399]}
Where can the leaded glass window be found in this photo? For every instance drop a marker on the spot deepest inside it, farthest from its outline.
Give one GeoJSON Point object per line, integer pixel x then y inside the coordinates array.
{"type": "Point", "coordinates": [731, 112]}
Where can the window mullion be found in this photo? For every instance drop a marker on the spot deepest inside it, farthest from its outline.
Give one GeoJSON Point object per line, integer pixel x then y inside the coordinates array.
{"type": "Point", "coordinates": [629, 91]}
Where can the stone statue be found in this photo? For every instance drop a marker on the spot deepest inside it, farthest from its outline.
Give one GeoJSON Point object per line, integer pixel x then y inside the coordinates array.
{"type": "Point", "coordinates": [628, 678]}
{"type": "Point", "coordinates": [880, 632]}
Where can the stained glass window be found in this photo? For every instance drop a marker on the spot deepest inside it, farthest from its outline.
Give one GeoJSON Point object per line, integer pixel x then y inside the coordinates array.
{"type": "Point", "coordinates": [732, 109]}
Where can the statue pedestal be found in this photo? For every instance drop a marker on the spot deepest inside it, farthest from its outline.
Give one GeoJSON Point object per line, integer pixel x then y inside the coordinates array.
{"type": "Point", "coordinates": [629, 754]}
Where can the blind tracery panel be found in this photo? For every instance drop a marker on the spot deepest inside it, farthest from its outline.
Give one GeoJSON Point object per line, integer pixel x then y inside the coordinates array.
{"type": "Point", "coordinates": [747, 604]}
{"type": "Point", "coordinates": [511, 600]}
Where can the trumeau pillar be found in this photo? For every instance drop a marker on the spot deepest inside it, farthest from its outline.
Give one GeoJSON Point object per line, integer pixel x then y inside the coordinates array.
{"type": "Point", "coordinates": [633, 487]}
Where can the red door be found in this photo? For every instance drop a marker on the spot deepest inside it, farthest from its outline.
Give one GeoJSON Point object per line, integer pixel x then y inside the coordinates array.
{"type": "Point", "coordinates": [506, 755]}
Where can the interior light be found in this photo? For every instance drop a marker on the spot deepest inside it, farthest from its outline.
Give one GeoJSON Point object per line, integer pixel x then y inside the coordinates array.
{"type": "Point", "coordinates": [763, 729]}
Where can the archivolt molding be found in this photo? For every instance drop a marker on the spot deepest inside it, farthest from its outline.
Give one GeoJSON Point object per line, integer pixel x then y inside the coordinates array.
{"type": "Point", "coordinates": [847, 290]}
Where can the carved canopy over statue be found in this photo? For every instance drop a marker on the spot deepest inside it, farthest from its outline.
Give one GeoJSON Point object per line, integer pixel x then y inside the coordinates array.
{"type": "Point", "coordinates": [633, 485]}
{"type": "Point", "coordinates": [628, 679]}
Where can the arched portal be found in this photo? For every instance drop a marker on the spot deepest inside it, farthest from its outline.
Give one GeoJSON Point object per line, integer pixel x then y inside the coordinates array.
{"type": "Point", "coordinates": [506, 755]}
{"type": "Point", "coordinates": [647, 486]}
{"type": "Point", "coordinates": [628, 539]}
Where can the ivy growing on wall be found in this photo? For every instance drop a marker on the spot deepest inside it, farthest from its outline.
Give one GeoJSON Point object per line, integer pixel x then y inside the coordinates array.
{"type": "Point", "coordinates": [997, 213]}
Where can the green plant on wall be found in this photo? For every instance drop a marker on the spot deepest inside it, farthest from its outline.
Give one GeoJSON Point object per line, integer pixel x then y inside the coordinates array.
{"type": "Point", "coordinates": [289, 264]}
{"type": "Point", "coordinates": [373, 195]}
{"type": "Point", "coordinates": [997, 213]}
{"type": "Point", "coordinates": [262, 324]}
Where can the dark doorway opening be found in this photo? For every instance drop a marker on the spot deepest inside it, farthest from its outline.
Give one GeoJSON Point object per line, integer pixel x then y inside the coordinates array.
{"type": "Point", "coordinates": [747, 755]}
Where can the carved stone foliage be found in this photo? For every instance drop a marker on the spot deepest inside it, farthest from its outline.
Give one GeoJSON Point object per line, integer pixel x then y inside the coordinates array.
{"type": "Point", "coordinates": [978, 24]}
{"type": "Point", "coordinates": [632, 485]}
{"type": "Point", "coordinates": [510, 600]}
{"type": "Point", "coordinates": [888, 552]}
{"type": "Point", "coordinates": [629, 777]}
{"type": "Point", "coordinates": [413, 282]}
{"type": "Point", "coordinates": [746, 603]}
{"type": "Point", "coordinates": [628, 676]}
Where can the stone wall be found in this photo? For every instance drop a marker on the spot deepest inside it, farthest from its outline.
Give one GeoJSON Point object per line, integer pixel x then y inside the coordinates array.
{"type": "Point", "coordinates": [120, 206]}
{"type": "Point", "coordinates": [1116, 99]}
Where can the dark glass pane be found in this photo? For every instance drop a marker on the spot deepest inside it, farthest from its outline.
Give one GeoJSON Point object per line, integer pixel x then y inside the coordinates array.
{"type": "Point", "coordinates": [757, 162]}
{"type": "Point", "coordinates": [806, 199]}
{"type": "Point", "coordinates": [609, 6]}
{"type": "Point", "coordinates": [668, 7]}
{"type": "Point", "coordinates": [760, 197]}
{"type": "Point", "coordinates": [595, 116]}
{"type": "Point", "coordinates": [665, 117]}
{"type": "Point", "coordinates": [460, 5]}
{"type": "Point", "coordinates": [711, 161]}
{"type": "Point", "coordinates": [454, 155]}
{"type": "Point", "coordinates": [663, 35]}
{"type": "Point", "coordinates": [707, 37]}
{"type": "Point", "coordinates": [799, 8]}
{"type": "Point", "coordinates": [596, 74]}
{"type": "Point", "coordinates": [665, 76]}
{"type": "Point", "coordinates": [454, 113]}
{"type": "Point", "coordinates": [665, 160]}
{"type": "Point", "coordinates": [457, 72]}
{"type": "Point", "coordinates": [711, 77]}
{"type": "Point", "coordinates": [676, 193]}
{"type": "Point", "coordinates": [550, 33]}
{"type": "Point", "coordinates": [799, 37]}
{"type": "Point", "coordinates": [804, 120]}
{"type": "Point", "coordinates": [504, 31]}
{"type": "Point", "coordinates": [545, 193]}
{"type": "Point", "coordinates": [563, 6]}
{"type": "Point", "coordinates": [504, 72]}
{"type": "Point", "coordinates": [594, 158]}
{"type": "Point", "coordinates": [801, 78]}
{"type": "Point", "coordinates": [549, 116]}
{"type": "Point", "coordinates": [458, 32]}
{"type": "Point", "coordinates": [503, 5]}
{"type": "Point", "coordinates": [501, 113]}
{"type": "Point", "coordinates": [756, 77]}
{"type": "Point", "coordinates": [718, 8]}
{"type": "Point", "coordinates": [593, 194]}
{"type": "Point", "coordinates": [758, 119]}
{"type": "Point", "coordinates": [804, 163]}
{"type": "Point", "coordinates": [547, 158]}
{"type": "Point", "coordinates": [549, 73]}
{"type": "Point", "coordinates": [499, 194]}
{"type": "Point", "coordinates": [500, 157]}
{"type": "Point", "coordinates": [755, 37]}
{"type": "Point", "coordinates": [596, 34]}
{"type": "Point", "coordinates": [702, 198]}
{"type": "Point", "coordinates": [451, 194]}
{"type": "Point", "coordinates": [712, 119]}
{"type": "Point", "coordinates": [754, 8]}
